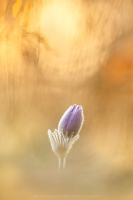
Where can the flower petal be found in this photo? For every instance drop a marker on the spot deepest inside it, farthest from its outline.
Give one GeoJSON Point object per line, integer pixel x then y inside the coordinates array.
{"type": "Point", "coordinates": [65, 119]}
{"type": "Point", "coordinates": [75, 123]}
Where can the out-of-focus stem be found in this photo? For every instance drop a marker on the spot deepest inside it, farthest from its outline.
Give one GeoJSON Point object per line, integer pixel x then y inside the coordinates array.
{"type": "Point", "coordinates": [62, 163]}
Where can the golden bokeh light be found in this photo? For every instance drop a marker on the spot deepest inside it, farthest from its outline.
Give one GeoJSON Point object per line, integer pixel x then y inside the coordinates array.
{"type": "Point", "coordinates": [60, 24]}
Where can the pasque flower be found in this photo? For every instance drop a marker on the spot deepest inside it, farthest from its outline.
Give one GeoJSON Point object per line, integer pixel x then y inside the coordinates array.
{"type": "Point", "coordinates": [68, 132]}
{"type": "Point", "coordinates": [71, 122]}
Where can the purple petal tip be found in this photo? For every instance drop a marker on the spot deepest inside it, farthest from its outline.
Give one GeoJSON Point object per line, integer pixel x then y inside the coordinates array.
{"type": "Point", "coordinates": [74, 106]}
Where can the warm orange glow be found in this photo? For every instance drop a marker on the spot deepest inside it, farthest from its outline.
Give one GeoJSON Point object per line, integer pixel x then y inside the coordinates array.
{"type": "Point", "coordinates": [24, 13]}
{"type": "Point", "coordinates": [16, 8]}
{"type": "Point", "coordinates": [119, 70]}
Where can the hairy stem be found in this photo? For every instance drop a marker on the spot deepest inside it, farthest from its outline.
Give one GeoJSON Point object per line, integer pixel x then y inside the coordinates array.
{"type": "Point", "coordinates": [62, 163]}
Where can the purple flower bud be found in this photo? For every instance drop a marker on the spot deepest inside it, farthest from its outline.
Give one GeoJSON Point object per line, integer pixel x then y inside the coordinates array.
{"type": "Point", "coordinates": [72, 120]}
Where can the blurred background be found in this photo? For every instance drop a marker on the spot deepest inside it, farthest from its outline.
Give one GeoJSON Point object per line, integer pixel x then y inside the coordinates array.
{"type": "Point", "coordinates": [54, 54]}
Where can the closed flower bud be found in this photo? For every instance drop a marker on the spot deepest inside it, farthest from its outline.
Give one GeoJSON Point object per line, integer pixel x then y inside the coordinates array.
{"type": "Point", "coordinates": [72, 120]}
